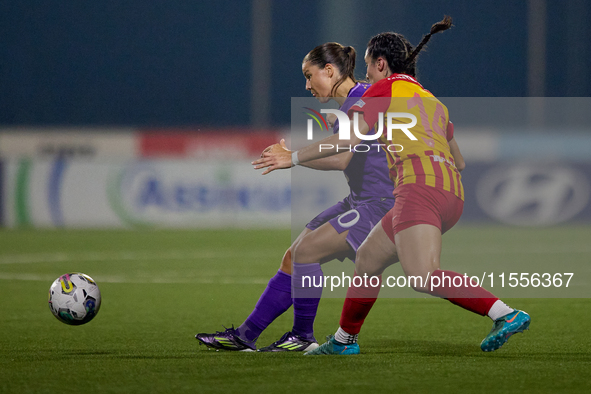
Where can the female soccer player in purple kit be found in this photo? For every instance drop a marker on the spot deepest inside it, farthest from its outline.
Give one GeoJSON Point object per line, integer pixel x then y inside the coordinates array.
{"type": "Point", "coordinates": [335, 233]}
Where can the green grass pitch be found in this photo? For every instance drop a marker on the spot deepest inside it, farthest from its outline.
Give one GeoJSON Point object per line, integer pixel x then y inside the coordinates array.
{"type": "Point", "coordinates": [161, 287]}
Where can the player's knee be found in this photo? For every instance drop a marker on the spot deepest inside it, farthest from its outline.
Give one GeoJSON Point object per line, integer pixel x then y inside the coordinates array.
{"type": "Point", "coordinates": [305, 252]}
{"type": "Point", "coordinates": [419, 283]}
{"type": "Point", "coordinates": [286, 262]}
{"type": "Point", "coordinates": [420, 289]}
{"type": "Point", "coordinates": [364, 262]}
{"type": "Point", "coordinates": [361, 263]}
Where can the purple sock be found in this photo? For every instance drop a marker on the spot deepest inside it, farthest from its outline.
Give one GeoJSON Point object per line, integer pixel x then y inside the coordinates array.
{"type": "Point", "coordinates": [306, 297]}
{"type": "Point", "coordinates": [275, 300]}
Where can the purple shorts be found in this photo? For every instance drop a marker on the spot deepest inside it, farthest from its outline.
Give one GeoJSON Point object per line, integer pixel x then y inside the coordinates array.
{"type": "Point", "coordinates": [357, 216]}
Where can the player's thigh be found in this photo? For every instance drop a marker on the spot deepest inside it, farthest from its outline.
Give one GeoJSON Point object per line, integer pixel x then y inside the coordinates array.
{"type": "Point", "coordinates": [419, 250]}
{"type": "Point", "coordinates": [287, 257]}
{"type": "Point", "coordinates": [322, 245]}
{"type": "Point", "coordinates": [376, 253]}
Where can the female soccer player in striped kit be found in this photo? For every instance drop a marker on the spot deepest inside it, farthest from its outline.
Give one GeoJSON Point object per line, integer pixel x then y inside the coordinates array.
{"type": "Point", "coordinates": [429, 195]}
{"type": "Point", "coordinates": [335, 233]}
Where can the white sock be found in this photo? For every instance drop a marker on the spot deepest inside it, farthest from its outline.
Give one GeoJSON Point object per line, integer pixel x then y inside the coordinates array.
{"type": "Point", "coordinates": [499, 309]}
{"type": "Point", "coordinates": [345, 338]}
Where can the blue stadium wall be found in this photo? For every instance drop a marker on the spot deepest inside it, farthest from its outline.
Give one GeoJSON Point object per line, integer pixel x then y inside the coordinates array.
{"type": "Point", "coordinates": [179, 62]}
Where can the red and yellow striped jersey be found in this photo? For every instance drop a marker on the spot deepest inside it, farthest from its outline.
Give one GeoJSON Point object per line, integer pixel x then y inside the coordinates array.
{"type": "Point", "coordinates": [427, 160]}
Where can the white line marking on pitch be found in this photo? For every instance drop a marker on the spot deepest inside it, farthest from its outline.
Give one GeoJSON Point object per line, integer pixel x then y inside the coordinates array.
{"type": "Point", "coordinates": [130, 256]}
{"type": "Point", "coordinates": [562, 249]}
{"type": "Point", "coordinates": [219, 254]}
{"type": "Point", "coordinates": [121, 279]}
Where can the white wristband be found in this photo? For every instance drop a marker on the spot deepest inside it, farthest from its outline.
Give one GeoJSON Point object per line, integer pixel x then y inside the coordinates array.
{"type": "Point", "coordinates": [294, 158]}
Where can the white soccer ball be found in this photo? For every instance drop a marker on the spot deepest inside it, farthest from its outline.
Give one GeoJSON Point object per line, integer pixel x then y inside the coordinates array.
{"type": "Point", "coordinates": [74, 298]}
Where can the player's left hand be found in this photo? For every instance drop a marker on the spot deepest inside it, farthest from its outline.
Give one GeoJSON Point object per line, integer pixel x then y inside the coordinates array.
{"type": "Point", "coordinates": [273, 158]}
{"type": "Point", "coordinates": [331, 119]}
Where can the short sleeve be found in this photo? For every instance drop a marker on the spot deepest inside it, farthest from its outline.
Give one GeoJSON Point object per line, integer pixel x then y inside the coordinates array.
{"type": "Point", "coordinates": [450, 131]}
{"type": "Point", "coordinates": [373, 101]}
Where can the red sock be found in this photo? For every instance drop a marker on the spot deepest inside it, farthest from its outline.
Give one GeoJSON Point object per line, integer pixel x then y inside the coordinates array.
{"type": "Point", "coordinates": [357, 305]}
{"type": "Point", "coordinates": [475, 299]}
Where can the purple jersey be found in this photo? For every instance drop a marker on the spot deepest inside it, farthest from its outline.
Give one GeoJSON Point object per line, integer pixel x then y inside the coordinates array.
{"type": "Point", "coordinates": [367, 173]}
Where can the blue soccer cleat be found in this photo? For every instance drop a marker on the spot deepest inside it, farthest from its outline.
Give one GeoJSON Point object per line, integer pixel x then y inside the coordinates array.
{"type": "Point", "coordinates": [225, 340]}
{"type": "Point", "coordinates": [334, 347]}
{"type": "Point", "coordinates": [503, 328]}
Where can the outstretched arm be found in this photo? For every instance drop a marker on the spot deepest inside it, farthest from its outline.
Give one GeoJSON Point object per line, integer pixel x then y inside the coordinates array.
{"type": "Point", "coordinates": [329, 146]}
{"type": "Point", "coordinates": [333, 163]}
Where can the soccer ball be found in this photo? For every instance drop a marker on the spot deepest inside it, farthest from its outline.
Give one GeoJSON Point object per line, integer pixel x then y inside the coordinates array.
{"type": "Point", "coordinates": [74, 299]}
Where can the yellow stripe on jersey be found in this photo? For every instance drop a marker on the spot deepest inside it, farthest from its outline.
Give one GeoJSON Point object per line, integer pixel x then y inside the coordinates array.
{"type": "Point", "coordinates": [444, 171]}
{"type": "Point", "coordinates": [427, 160]}
{"type": "Point", "coordinates": [428, 170]}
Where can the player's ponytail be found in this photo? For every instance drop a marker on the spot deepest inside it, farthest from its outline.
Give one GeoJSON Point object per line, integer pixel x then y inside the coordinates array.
{"type": "Point", "coordinates": [349, 67]}
{"type": "Point", "coordinates": [398, 52]}
{"type": "Point", "coordinates": [436, 28]}
{"type": "Point", "coordinates": [341, 57]}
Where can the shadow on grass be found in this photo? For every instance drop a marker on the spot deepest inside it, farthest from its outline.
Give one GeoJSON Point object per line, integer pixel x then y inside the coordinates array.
{"type": "Point", "coordinates": [569, 357]}
{"type": "Point", "coordinates": [154, 356]}
{"type": "Point", "coordinates": [117, 354]}
{"type": "Point", "coordinates": [89, 353]}
{"type": "Point", "coordinates": [438, 348]}
{"type": "Point", "coordinates": [424, 348]}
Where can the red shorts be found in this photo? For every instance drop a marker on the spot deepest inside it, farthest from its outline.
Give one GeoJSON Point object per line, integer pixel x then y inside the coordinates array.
{"type": "Point", "coordinates": [422, 204]}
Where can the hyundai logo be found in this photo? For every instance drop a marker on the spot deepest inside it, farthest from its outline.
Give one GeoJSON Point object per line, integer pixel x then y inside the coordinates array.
{"type": "Point", "coordinates": [533, 195]}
